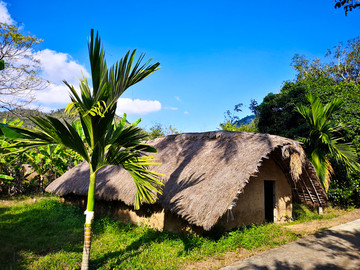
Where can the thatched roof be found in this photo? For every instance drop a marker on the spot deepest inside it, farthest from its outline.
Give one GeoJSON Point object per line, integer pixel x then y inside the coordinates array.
{"type": "Point", "coordinates": [205, 173]}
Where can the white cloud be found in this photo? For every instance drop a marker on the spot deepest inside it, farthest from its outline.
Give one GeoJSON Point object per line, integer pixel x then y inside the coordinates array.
{"type": "Point", "coordinates": [186, 112]}
{"type": "Point", "coordinates": [39, 107]}
{"type": "Point", "coordinates": [57, 66]}
{"type": "Point", "coordinates": [4, 14]}
{"type": "Point", "coordinates": [177, 98]}
{"type": "Point", "coordinates": [171, 108]}
{"type": "Point", "coordinates": [53, 94]}
{"type": "Point", "coordinates": [137, 106]}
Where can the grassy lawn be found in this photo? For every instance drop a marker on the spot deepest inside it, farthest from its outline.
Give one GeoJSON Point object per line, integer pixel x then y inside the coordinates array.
{"type": "Point", "coordinates": [49, 235]}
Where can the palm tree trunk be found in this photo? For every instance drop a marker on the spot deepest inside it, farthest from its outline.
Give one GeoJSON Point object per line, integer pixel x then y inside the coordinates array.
{"type": "Point", "coordinates": [88, 222]}
{"type": "Point", "coordinates": [87, 246]}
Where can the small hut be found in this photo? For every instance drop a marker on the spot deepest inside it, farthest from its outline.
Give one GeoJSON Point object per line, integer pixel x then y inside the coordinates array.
{"type": "Point", "coordinates": [212, 179]}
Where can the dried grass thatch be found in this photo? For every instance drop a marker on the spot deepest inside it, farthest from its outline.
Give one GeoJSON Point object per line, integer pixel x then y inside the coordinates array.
{"type": "Point", "coordinates": [205, 173]}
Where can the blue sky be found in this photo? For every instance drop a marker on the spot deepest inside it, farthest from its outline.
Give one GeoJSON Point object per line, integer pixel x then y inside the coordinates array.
{"type": "Point", "coordinates": [213, 54]}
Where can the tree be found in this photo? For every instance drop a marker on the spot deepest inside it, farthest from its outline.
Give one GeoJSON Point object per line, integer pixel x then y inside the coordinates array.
{"type": "Point", "coordinates": [234, 123]}
{"type": "Point", "coordinates": [338, 77]}
{"type": "Point", "coordinates": [348, 5]}
{"type": "Point", "coordinates": [11, 176]}
{"type": "Point", "coordinates": [35, 168]}
{"type": "Point", "coordinates": [276, 114]}
{"type": "Point", "coordinates": [105, 142]}
{"type": "Point", "coordinates": [159, 130]}
{"type": "Point", "coordinates": [251, 127]}
{"type": "Point", "coordinates": [344, 64]}
{"type": "Point", "coordinates": [20, 74]}
{"type": "Point", "coordinates": [322, 141]}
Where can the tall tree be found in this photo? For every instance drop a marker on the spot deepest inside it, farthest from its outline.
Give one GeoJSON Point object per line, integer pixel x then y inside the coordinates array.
{"type": "Point", "coordinates": [338, 77]}
{"type": "Point", "coordinates": [344, 64]}
{"type": "Point", "coordinates": [105, 142]}
{"type": "Point", "coordinates": [276, 114]}
{"type": "Point", "coordinates": [20, 74]}
{"type": "Point", "coordinates": [322, 141]}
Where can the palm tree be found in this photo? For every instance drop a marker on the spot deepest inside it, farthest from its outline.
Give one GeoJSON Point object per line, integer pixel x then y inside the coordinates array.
{"type": "Point", "coordinates": [101, 141]}
{"type": "Point", "coordinates": [322, 142]}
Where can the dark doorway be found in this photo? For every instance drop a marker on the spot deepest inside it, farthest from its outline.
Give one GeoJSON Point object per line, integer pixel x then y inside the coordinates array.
{"type": "Point", "coordinates": [269, 199]}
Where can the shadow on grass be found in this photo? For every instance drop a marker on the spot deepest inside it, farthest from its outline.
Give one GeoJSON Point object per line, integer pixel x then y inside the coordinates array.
{"type": "Point", "coordinates": [38, 228]}
{"type": "Point", "coordinates": [45, 227]}
{"type": "Point", "coordinates": [142, 243]}
{"type": "Point", "coordinates": [3, 210]}
{"type": "Point", "coordinates": [185, 246]}
{"type": "Point", "coordinates": [31, 232]}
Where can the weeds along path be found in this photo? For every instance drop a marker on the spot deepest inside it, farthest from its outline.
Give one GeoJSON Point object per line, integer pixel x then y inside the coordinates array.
{"type": "Point", "coordinates": [313, 226]}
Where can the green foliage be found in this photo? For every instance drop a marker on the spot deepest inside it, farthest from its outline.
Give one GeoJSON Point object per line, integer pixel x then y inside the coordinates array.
{"type": "Point", "coordinates": [229, 126]}
{"type": "Point", "coordinates": [342, 65]}
{"type": "Point", "coordinates": [337, 78]}
{"type": "Point", "coordinates": [20, 74]}
{"type": "Point", "coordinates": [345, 193]}
{"type": "Point", "coordinates": [31, 170]}
{"type": "Point", "coordinates": [233, 121]}
{"type": "Point", "coordinates": [304, 213]}
{"type": "Point", "coordinates": [349, 113]}
{"type": "Point", "coordinates": [276, 114]}
{"type": "Point", "coordinates": [50, 162]}
{"type": "Point", "coordinates": [49, 235]}
{"type": "Point", "coordinates": [322, 143]}
{"type": "Point", "coordinates": [159, 130]}
{"type": "Point", "coordinates": [344, 187]}
{"type": "Point", "coordinates": [11, 175]}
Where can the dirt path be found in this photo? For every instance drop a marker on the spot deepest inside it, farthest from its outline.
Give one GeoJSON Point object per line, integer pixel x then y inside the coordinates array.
{"type": "Point", "coordinates": [302, 229]}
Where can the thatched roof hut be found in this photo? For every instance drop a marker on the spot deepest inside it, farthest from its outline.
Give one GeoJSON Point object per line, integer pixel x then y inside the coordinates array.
{"type": "Point", "coordinates": [205, 174]}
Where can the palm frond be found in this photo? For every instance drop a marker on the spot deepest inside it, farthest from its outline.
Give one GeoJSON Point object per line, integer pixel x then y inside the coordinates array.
{"type": "Point", "coordinates": [50, 131]}
{"type": "Point", "coordinates": [323, 168]}
{"type": "Point", "coordinates": [148, 183]}
{"type": "Point", "coordinates": [321, 142]}
{"type": "Point", "coordinates": [97, 61]}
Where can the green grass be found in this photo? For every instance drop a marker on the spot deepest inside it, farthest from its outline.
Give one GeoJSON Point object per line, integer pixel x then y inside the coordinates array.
{"type": "Point", "coordinates": [304, 213]}
{"type": "Point", "coordinates": [48, 235]}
